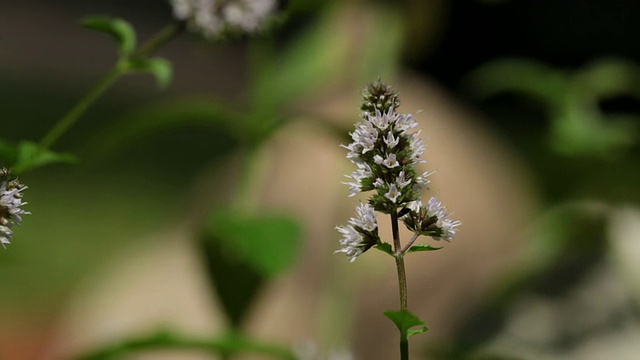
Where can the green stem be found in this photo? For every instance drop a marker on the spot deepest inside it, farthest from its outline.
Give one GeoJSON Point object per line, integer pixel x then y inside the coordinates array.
{"type": "Point", "coordinates": [87, 100]}
{"type": "Point", "coordinates": [402, 281]}
{"type": "Point", "coordinates": [121, 68]}
{"type": "Point", "coordinates": [397, 248]}
{"type": "Point", "coordinates": [160, 38]}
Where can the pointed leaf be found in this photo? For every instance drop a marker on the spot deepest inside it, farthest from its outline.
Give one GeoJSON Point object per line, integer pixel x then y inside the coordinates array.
{"type": "Point", "coordinates": [243, 252]}
{"type": "Point", "coordinates": [235, 282]}
{"type": "Point", "coordinates": [269, 243]}
{"type": "Point", "coordinates": [423, 247]}
{"type": "Point", "coordinates": [160, 68]}
{"type": "Point", "coordinates": [30, 156]}
{"type": "Point", "coordinates": [405, 320]}
{"type": "Point", "coordinates": [119, 29]}
{"type": "Point", "coordinates": [385, 247]}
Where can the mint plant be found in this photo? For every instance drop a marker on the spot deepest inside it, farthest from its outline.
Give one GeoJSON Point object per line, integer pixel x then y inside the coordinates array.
{"type": "Point", "coordinates": [386, 150]}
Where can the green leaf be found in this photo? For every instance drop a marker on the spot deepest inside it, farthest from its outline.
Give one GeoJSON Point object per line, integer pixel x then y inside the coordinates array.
{"type": "Point", "coordinates": [423, 247]}
{"type": "Point", "coordinates": [243, 252]}
{"type": "Point", "coordinates": [385, 247]}
{"type": "Point", "coordinates": [160, 68]}
{"type": "Point", "coordinates": [236, 283]}
{"type": "Point", "coordinates": [405, 320]}
{"type": "Point", "coordinates": [30, 156]}
{"type": "Point", "coordinates": [526, 77]}
{"type": "Point", "coordinates": [119, 29]}
{"type": "Point", "coordinates": [269, 243]}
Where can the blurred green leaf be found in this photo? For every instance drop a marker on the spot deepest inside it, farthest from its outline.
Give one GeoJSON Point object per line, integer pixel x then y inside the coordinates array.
{"type": "Point", "coordinates": [269, 243]}
{"type": "Point", "coordinates": [30, 156]}
{"type": "Point", "coordinates": [119, 29]}
{"type": "Point", "coordinates": [609, 78]}
{"type": "Point", "coordinates": [160, 68]}
{"type": "Point", "coordinates": [422, 247]}
{"type": "Point", "coordinates": [578, 126]}
{"type": "Point", "coordinates": [243, 252]}
{"type": "Point", "coordinates": [405, 320]}
{"type": "Point", "coordinates": [526, 77]}
{"type": "Point", "coordinates": [236, 282]}
{"type": "Point", "coordinates": [201, 111]}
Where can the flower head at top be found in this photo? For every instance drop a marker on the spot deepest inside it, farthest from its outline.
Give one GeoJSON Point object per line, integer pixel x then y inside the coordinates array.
{"type": "Point", "coordinates": [10, 205]}
{"type": "Point", "coordinates": [386, 149]}
{"type": "Point", "coordinates": [214, 18]}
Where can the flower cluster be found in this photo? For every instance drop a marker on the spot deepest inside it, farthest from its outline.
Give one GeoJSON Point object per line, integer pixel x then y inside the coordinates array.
{"type": "Point", "coordinates": [431, 220]}
{"type": "Point", "coordinates": [213, 18]}
{"type": "Point", "coordinates": [386, 148]}
{"type": "Point", "coordinates": [360, 234]}
{"type": "Point", "coordinates": [10, 205]}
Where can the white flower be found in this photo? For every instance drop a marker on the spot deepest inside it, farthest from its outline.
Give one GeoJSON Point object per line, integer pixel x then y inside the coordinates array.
{"type": "Point", "coordinates": [381, 121]}
{"type": "Point", "coordinates": [391, 140]}
{"type": "Point", "coordinates": [363, 172]}
{"type": "Point", "coordinates": [390, 161]}
{"type": "Point", "coordinates": [366, 219]}
{"type": "Point", "coordinates": [352, 242]}
{"type": "Point", "coordinates": [10, 206]}
{"type": "Point", "coordinates": [423, 180]}
{"type": "Point", "coordinates": [393, 193]}
{"type": "Point", "coordinates": [379, 182]}
{"type": "Point", "coordinates": [405, 122]}
{"type": "Point", "coordinates": [214, 17]}
{"type": "Point", "coordinates": [401, 180]}
{"type": "Point", "coordinates": [360, 234]}
{"type": "Point", "coordinates": [364, 137]}
{"type": "Point", "coordinates": [446, 228]}
{"type": "Point", "coordinates": [417, 147]}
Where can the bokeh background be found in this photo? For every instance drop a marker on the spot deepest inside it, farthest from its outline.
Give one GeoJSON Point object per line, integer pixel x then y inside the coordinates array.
{"type": "Point", "coordinates": [531, 111]}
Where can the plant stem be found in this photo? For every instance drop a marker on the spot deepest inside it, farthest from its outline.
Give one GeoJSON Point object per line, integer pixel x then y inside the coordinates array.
{"type": "Point", "coordinates": [160, 38]}
{"type": "Point", "coordinates": [87, 100]}
{"type": "Point", "coordinates": [402, 281]}
{"type": "Point", "coordinates": [121, 68]}
{"type": "Point", "coordinates": [408, 246]}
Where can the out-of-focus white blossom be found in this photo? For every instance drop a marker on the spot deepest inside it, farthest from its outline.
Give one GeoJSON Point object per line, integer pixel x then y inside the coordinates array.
{"type": "Point", "coordinates": [213, 18]}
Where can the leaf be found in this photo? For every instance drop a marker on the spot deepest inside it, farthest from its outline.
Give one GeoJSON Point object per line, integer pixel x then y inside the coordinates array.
{"type": "Point", "coordinates": [236, 283]}
{"type": "Point", "coordinates": [385, 247]}
{"type": "Point", "coordinates": [160, 68]}
{"type": "Point", "coordinates": [422, 247]}
{"type": "Point", "coordinates": [269, 243]}
{"type": "Point", "coordinates": [526, 77]}
{"type": "Point", "coordinates": [30, 156]}
{"type": "Point", "coordinates": [119, 29]}
{"type": "Point", "coordinates": [405, 320]}
{"type": "Point", "coordinates": [243, 252]}
{"type": "Point", "coordinates": [203, 112]}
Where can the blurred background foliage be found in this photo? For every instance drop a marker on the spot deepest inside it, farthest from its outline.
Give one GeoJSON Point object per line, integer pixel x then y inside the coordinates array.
{"type": "Point", "coordinates": [556, 80]}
